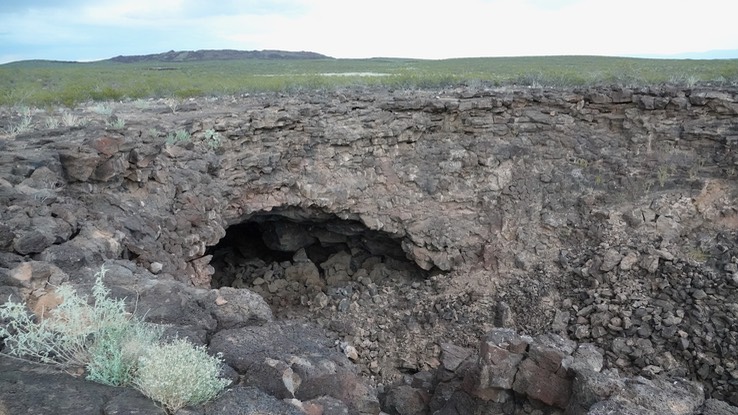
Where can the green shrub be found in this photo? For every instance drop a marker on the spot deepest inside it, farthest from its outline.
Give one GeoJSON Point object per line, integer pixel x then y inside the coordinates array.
{"type": "Point", "coordinates": [51, 123]}
{"type": "Point", "coordinates": [23, 126]}
{"type": "Point", "coordinates": [116, 123]}
{"type": "Point", "coordinates": [114, 357]}
{"type": "Point", "coordinates": [103, 109]}
{"type": "Point", "coordinates": [178, 136]}
{"type": "Point", "coordinates": [106, 94]}
{"type": "Point", "coordinates": [70, 120]}
{"type": "Point", "coordinates": [213, 138]}
{"type": "Point", "coordinates": [114, 346]}
{"type": "Point", "coordinates": [66, 336]}
{"type": "Point", "coordinates": [189, 92]}
{"type": "Point", "coordinates": [179, 374]}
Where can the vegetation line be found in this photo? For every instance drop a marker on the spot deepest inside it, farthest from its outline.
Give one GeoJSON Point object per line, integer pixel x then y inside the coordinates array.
{"type": "Point", "coordinates": [41, 83]}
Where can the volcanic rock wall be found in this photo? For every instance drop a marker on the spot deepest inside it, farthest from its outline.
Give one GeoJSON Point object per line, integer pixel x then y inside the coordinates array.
{"type": "Point", "coordinates": [606, 214]}
{"type": "Point", "coordinates": [501, 178]}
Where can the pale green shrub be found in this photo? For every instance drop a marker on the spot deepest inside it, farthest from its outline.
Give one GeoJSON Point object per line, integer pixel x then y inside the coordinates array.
{"type": "Point", "coordinates": [142, 104]}
{"type": "Point", "coordinates": [22, 126]}
{"type": "Point", "coordinates": [179, 374]}
{"type": "Point", "coordinates": [178, 136]}
{"type": "Point", "coordinates": [114, 357]}
{"type": "Point", "coordinates": [100, 336]}
{"type": "Point", "coordinates": [66, 336]}
{"type": "Point", "coordinates": [213, 138]}
{"type": "Point", "coordinates": [70, 120]}
{"type": "Point", "coordinates": [115, 347]}
{"type": "Point", "coordinates": [51, 123]}
{"type": "Point", "coordinates": [103, 109]}
{"type": "Point", "coordinates": [116, 124]}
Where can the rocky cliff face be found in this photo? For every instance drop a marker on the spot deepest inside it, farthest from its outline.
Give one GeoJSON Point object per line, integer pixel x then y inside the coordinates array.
{"type": "Point", "coordinates": [606, 215]}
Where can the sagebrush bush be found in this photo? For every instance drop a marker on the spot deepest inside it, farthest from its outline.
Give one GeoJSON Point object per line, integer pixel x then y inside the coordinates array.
{"type": "Point", "coordinates": [213, 138]}
{"type": "Point", "coordinates": [67, 334]}
{"type": "Point", "coordinates": [70, 120]}
{"type": "Point", "coordinates": [179, 374]}
{"type": "Point", "coordinates": [115, 347]}
{"type": "Point", "coordinates": [114, 357]}
{"type": "Point", "coordinates": [178, 136]}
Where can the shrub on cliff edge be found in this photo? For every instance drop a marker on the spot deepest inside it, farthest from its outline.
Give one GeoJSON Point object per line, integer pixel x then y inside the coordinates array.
{"type": "Point", "coordinates": [68, 335]}
{"type": "Point", "coordinates": [114, 346]}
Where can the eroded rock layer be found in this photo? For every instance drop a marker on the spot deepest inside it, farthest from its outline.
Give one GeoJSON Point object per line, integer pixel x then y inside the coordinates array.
{"type": "Point", "coordinates": [606, 215]}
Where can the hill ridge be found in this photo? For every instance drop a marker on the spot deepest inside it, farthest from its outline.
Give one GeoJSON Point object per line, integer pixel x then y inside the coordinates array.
{"type": "Point", "coordinates": [217, 54]}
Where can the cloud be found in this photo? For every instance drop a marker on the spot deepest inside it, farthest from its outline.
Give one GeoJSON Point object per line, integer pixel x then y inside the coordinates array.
{"type": "Point", "coordinates": [85, 29]}
{"type": "Point", "coordinates": [245, 7]}
{"type": "Point", "coordinates": [142, 11]}
{"type": "Point", "coordinates": [552, 4]}
{"type": "Point", "coordinates": [20, 6]}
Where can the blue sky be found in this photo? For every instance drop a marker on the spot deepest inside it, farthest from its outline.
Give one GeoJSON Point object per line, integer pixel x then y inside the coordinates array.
{"type": "Point", "coordinates": [99, 29]}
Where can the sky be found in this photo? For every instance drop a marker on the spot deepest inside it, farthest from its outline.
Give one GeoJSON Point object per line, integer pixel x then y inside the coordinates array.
{"type": "Point", "coordinates": [84, 30]}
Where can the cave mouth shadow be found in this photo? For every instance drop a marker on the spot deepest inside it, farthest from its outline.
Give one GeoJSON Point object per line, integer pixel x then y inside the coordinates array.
{"type": "Point", "coordinates": [288, 256]}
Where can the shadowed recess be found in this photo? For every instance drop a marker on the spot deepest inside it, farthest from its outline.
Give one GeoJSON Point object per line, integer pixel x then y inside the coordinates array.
{"type": "Point", "coordinates": [292, 253]}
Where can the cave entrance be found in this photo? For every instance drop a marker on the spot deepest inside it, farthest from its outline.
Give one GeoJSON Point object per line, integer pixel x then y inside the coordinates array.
{"type": "Point", "coordinates": [295, 257]}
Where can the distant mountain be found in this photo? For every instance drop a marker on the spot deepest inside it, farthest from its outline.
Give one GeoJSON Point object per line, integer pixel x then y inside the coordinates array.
{"type": "Point", "coordinates": [217, 55]}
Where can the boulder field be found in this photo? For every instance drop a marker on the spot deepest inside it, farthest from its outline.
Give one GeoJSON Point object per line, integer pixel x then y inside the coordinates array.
{"type": "Point", "coordinates": [457, 251]}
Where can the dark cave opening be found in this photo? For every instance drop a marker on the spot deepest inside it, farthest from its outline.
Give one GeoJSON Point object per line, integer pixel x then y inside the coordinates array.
{"type": "Point", "coordinates": [288, 256]}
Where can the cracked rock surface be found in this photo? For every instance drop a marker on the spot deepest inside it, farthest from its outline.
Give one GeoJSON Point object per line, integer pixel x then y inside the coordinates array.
{"type": "Point", "coordinates": [403, 228]}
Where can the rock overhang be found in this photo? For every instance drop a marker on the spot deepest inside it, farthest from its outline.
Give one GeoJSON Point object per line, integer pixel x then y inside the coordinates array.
{"type": "Point", "coordinates": [525, 184]}
{"type": "Point", "coordinates": [308, 252]}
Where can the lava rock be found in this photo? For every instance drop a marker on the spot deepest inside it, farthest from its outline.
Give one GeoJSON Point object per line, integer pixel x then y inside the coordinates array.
{"type": "Point", "coordinates": [452, 356]}
{"type": "Point", "coordinates": [293, 360]}
{"type": "Point", "coordinates": [234, 308]}
{"type": "Point", "coordinates": [28, 388]}
{"type": "Point", "coordinates": [405, 400]}
{"type": "Point", "coordinates": [286, 236]}
{"type": "Point", "coordinates": [244, 400]}
{"type": "Point", "coordinates": [33, 242]}
{"type": "Point", "coordinates": [132, 402]}
{"type": "Point", "coordinates": [716, 407]}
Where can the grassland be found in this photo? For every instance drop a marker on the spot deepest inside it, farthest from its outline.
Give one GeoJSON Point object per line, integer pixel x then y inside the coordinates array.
{"type": "Point", "coordinates": [45, 83]}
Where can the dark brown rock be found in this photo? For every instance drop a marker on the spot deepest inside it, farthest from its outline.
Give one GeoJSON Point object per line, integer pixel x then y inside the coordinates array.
{"type": "Point", "coordinates": [111, 168]}
{"type": "Point", "coordinates": [540, 383]}
{"type": "Point", "coordinates": [405, 400]}
{"type": "Point", "coordinates": [170, 302]}
{"type": "Point", "coordinates": [498, 366]}
{"type": "Point", "coordinates": [325, 405]}
{"type": "Point", "coordinates": [27, 388]}
{"type": "Point", "coordinates": [32, 242]}
{"type": "Point", "coordinates": [235, 308]}
{"type": "Point", "coordinates": [107, 145]}
{"type": "Point", "coordinates": [6, 236]}
{"type": "Point", "coordinates": [715, 407]}
{"type": "Point", "coordinates": [452, 356]}
{"type": "Point", "coordinates": [286, 236]}
{"type": "Point", "coordinates": [130, 402]}
{"type": "Point", "coordinates": [241, 400]}
{"type": "Point", "coordinates": [590, 387]}
{"type": "Point", "coordinates": [79, 165]}
{"type": "Point", "coordinates": [294, 360]}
